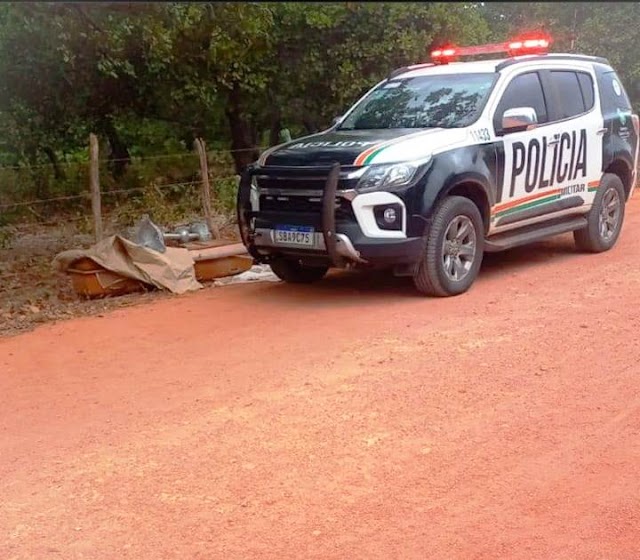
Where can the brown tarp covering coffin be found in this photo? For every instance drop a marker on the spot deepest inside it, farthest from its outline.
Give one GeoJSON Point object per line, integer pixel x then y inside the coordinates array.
{"type": "Point", "coordinates": [172, 270]}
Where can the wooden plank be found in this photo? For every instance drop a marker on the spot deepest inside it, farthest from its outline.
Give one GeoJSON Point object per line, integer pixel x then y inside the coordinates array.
{"type": "Point", "coordinates": [219, 252]}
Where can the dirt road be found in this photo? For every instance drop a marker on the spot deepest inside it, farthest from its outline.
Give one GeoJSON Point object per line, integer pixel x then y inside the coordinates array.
{"type": "Point", "coordinates": [350, 419]}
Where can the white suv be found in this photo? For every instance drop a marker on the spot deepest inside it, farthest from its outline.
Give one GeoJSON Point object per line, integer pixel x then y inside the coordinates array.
{"type": "Point", "coordinates": [441, 162]}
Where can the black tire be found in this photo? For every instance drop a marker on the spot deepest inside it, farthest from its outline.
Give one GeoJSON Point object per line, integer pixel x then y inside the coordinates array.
{"type": "Point", "coordinates": [593, 238]}
{"type": "Point", "coordinates": [431, 278]}
{"type": "Point", "coordinates": [293, 272]}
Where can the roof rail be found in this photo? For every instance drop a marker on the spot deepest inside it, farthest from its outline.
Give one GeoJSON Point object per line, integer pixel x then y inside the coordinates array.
{"type": "Point", "coordinates": [551, 56]}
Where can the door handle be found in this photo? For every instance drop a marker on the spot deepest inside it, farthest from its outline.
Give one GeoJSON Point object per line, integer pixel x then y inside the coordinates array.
{"type": "Point", "coordinates": [601, 131]}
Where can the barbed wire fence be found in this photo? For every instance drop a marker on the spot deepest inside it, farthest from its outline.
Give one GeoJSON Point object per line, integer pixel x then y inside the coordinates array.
{"type": "Point", "coordinates": [177, 186]}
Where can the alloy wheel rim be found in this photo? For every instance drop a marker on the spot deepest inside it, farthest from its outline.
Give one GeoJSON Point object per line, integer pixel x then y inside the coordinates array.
{"type": "Point", "coordinates": [609, 218]}
{"type": "Point", "coordinates": [459, 248]}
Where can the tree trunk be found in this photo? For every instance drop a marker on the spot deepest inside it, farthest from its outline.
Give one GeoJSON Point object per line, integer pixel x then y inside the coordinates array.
{"type": "Point", "coordinates": [51, 155]}
{"type": "Point", "coordinates": [310, 126]}
{"type": "Point", "coordinates": [255, 134]}
{"type": "Point", "coordinates": [274, 131]}
{"type": "Point", "coordinates": [119, 152]}
{"type": "Point", "coordinates": [40, 179]}
{"type": "Point", "coordinates": [244, 148]}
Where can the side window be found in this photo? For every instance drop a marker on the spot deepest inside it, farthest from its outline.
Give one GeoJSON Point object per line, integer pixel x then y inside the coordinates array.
{"type": "Point", "coordinates": [586, 86]}
{"type": "Point", "coordinates": [612, 94]}
{"type": "Point", "coordinates": [568, 89]}
{"type": "Point", "coordinates": [524, 90]}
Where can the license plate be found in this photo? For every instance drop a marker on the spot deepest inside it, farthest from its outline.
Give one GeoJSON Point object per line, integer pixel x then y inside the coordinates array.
{"type": "Point", "coordinates": [295, 235]}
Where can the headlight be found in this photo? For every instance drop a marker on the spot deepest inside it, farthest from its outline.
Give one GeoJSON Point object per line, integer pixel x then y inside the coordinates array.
{"type": "Point", "coordinates": [386, 176]}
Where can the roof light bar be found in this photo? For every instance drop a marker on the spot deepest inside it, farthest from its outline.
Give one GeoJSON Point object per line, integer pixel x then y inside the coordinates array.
{"type": "Point", "coordinates": [533, 45]}
{"type": "Point", "coordinates": [529, 46]}
{"type": "Point", "coordinates": [443, 53]}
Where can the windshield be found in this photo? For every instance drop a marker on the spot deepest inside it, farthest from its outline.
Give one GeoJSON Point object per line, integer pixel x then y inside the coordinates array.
{"type": "Point", "coordinates": [446, 100]}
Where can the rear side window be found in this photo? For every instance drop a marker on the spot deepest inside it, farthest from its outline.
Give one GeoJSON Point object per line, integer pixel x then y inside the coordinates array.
{"type": "Point", "coordinates": [612, 93]}
{"type": "Point", "coordinates": [586, 86]}
{"type": "Point", "coordinates": [524, 90]}
{"type": "Point", "coordinates": [568, 89]}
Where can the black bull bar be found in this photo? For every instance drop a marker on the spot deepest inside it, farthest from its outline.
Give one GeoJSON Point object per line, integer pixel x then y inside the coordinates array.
{"type": "Point", "coordinates": [328, 218]}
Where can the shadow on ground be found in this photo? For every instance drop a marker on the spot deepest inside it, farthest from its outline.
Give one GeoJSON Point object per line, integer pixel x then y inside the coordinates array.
{"type": "Point", "coordinates": [342, 286]}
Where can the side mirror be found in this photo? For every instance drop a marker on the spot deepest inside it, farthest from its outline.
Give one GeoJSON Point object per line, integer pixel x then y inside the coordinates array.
{"type": "Point", "coordinates": [519, 119]}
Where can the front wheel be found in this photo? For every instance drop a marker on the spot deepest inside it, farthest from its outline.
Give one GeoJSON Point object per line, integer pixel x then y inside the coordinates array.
{"type": "Point", "coordinates": [454, 249]}
{"type": "Point", "coordinates": [604, 220]}
{"type": "Point", "coordinates": [293, 272]}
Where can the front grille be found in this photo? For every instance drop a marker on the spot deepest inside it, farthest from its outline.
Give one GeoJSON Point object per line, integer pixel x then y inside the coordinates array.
{"type": "Point", "coordinates": [304, 204]}
{"type": "Point", "coordinates": [299, 183]}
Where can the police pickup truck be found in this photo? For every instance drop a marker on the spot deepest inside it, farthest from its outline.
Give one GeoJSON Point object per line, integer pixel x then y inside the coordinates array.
{"type": "Point", "coordinates": [444, 161]}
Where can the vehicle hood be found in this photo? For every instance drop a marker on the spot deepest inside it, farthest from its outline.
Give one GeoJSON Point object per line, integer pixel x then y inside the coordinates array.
{"type": "Point", "coordinates": [362, 147]}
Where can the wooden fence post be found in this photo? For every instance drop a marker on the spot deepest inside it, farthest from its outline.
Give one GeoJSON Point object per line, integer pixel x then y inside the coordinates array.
{"type": "Point", "coordinates": [205, 187]}
{"type": "Point", "coordinates": [94, 183]}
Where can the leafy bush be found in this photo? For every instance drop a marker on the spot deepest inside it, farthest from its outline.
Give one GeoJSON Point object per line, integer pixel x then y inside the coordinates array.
{"type": "Point", "coordinates": [226, 190]}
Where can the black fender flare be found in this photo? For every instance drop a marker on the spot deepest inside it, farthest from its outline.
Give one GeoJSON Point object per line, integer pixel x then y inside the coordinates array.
{"type": "Point", "coordinates": [466, 183]}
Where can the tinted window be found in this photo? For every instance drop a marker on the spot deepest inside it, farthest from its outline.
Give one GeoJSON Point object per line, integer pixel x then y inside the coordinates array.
{"type": "Point", "coordinates": [523, 91]}
{"type": "Point", "coordinates": [586, 85]}
{"type": "Point", "coordinates": [446, 100]}
{"type": "Point", "coordinates": [568, 89]}
{"type": "Point", "coordinates": [613, 94]}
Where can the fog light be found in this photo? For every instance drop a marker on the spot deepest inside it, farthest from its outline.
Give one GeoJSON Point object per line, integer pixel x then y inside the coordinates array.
{"type": "Point", "coordinates": [389, 215]}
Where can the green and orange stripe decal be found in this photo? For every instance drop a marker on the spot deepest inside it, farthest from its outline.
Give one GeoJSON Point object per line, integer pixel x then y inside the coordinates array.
{"type": "Point", "coordinates": [524, 203]}
{"type": "Point", "coordinates": [533, 200]}
{"type": "Point", "coordinates": [364, 158]}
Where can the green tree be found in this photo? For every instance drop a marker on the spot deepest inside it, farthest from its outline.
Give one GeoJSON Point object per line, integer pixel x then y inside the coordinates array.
{"type": "Point", "coordinates": [607, 32]}
{"type": "Point", "coordinates": [327, 55]}
{"type": "Point", "coordinates": [141, 75]}
{"type": "Point", "coordinates": [598, 29]}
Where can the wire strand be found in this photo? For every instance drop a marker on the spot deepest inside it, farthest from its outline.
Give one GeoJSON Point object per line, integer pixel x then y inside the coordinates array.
{"type": "Point", "coordinates": [87, 196]}
{"type": "Point", "coordinates": [32, 202]}
{"type": "Point", "coordinates": [133, 159]}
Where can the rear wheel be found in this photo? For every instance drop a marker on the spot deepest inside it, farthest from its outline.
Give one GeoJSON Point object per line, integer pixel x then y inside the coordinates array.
{"type": "Point", "coordinates": [604, 220]}
{"type": "Point", "coordinates": [454, 249]}
{"type": "Point", "coordinates": [293, 272]}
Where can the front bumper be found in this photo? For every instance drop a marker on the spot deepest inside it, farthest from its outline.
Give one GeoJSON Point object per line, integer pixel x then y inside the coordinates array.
{"type": "Point", "coordinates": [338, 240]}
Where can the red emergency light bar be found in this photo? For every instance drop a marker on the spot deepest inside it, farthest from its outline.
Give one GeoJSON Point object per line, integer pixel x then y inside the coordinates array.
{"type": "Point", "coordinates": [447, 54]}
{"type": "Point", "coordinates": [529, 45]}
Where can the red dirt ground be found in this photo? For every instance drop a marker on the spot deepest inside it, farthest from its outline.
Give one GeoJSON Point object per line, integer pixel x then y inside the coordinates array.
{"type": "Point", "coordinates": [349, 419]}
